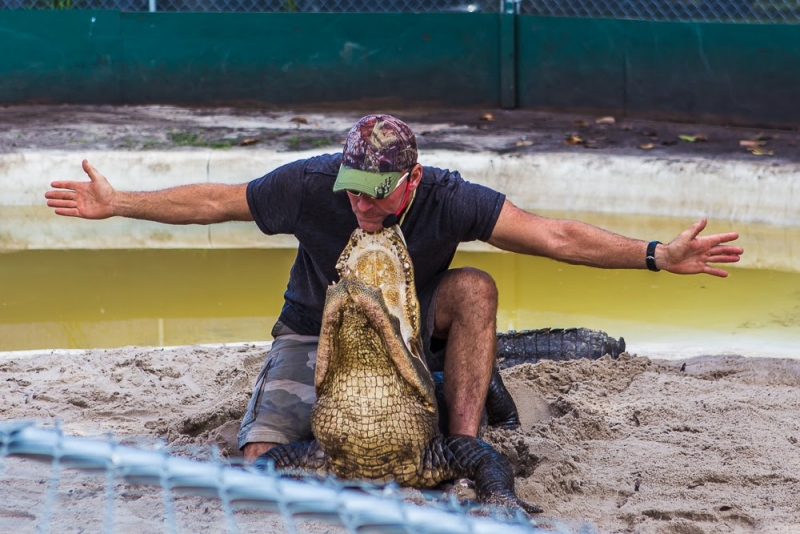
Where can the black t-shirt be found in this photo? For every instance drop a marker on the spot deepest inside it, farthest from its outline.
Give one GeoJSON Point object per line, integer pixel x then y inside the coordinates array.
{"type": "Point", "coordinates": [298, 199]}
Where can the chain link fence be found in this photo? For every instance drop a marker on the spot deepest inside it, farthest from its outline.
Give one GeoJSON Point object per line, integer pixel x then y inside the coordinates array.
{"type": "Point", "coordinates": [751, 11]}
{"type": "Point", "coordinates": [755, 11]}
{"type": "Point", "coordinates": [123, 488]}
{"type": "Point", "coordinates": [268, 6]}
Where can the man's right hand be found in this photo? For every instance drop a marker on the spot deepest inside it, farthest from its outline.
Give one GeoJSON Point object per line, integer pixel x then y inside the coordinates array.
{"type": "Point", "coordinates": [88, 200]}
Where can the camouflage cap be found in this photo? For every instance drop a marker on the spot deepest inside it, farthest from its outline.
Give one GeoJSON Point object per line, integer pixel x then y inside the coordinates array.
{"type": "Point", "coordinates": [379, 149]}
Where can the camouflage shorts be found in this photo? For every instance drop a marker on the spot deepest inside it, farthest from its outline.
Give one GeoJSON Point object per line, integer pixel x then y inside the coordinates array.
{"type": "Point", "coordinates": [280, 408]}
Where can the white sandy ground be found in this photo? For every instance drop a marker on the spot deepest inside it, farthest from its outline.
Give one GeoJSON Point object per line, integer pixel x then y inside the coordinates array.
{"type": "Point", "coordinates": [628, 445]}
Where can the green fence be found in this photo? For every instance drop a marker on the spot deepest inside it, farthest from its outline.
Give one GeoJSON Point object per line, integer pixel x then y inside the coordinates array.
{"type": "Point", "coordinates": [719, 72]}
{"type": "Point", "coordinates": [706, 71]}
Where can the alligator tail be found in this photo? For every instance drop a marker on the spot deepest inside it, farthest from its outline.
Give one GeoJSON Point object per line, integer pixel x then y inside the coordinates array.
{"type": "Point", "coordinates": [560, 344]}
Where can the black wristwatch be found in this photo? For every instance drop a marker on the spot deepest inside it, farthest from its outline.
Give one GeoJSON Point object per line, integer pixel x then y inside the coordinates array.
{"type": "Point", "coordinates": [650, 258]}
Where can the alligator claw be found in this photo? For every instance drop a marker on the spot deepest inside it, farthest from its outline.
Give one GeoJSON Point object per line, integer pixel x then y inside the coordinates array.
{"type": "Point", "coordinates": [529, 508]}
{"type": "Point", "coordinates": [512, 504]}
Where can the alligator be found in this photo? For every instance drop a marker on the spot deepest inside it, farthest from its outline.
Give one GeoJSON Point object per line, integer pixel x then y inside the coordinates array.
{"type": "Point", "coordinates": [560, 344]}
{"type": "Point", "coordinates": [376, 414]}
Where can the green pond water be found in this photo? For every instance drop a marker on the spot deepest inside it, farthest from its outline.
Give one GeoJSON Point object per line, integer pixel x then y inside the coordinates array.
{"type": "Point", "coordinates": [80, 299]}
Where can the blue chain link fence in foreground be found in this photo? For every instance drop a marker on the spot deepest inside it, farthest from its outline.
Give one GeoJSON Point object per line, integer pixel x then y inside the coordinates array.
{"type": "Point", "coordinates": [752, 11]}
{"type": "Point", "coordinates": [58, 483]}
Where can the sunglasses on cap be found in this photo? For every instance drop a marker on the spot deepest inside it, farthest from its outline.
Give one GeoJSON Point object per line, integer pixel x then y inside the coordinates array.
{"type": "Point", "coordinates": [396, 186]}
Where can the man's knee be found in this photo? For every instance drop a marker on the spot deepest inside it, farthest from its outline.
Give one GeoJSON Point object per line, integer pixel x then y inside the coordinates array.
{"type": "Point", "coordinates": [467, 285]}
{"type": "Point", "coordinates": [465, 295]}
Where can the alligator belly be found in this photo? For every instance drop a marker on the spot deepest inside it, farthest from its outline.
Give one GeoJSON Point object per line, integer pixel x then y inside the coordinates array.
{"type": "Point", "coordinates": [372, 436]}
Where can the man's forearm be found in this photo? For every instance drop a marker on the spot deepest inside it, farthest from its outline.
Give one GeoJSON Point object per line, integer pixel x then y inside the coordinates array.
{"type": "Point", "coordinates": [584, 244]}
{"type": "Point", "coordinates": [189, 204]}
{"type": "Point", "coordinates": [566, 240]}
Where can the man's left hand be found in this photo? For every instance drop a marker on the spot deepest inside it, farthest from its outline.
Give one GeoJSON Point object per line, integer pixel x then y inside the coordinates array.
{"type": "Point", "coordinates": [689, 253]}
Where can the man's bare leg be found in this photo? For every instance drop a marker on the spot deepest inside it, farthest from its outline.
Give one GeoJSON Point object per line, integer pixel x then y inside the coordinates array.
{"type": "Point", "coordinates": [255, 449]}
{"type": "Point", "coordinates": [466, 315]}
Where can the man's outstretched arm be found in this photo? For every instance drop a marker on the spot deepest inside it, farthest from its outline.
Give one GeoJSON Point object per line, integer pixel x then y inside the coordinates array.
{"type": "Point", "coordinates": [583, 244]}
{"type": "Point", "coordinates": [187, 204]}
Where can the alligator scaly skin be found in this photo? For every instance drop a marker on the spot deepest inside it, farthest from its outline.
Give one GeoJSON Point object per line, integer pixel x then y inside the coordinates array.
{"type": "Point", "coordinates": [559, 344]}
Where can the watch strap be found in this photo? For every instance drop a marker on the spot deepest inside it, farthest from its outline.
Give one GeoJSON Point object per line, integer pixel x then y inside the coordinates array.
{"type": "Point", "coordinates": [650, 258]}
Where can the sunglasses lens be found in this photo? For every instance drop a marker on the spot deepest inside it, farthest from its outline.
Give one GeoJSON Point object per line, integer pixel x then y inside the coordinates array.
{"type": "Point", "coordinates": [380, 196]}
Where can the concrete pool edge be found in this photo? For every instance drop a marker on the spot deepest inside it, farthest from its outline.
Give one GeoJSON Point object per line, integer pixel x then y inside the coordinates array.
{"type": "Point", "coordinates": [732, 190]}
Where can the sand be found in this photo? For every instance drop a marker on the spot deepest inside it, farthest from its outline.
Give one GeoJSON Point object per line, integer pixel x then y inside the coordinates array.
{"type": "Point", "coordinates": [627, 445]}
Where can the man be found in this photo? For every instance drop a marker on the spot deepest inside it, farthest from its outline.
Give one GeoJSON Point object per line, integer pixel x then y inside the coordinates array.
{"type": "Point", "coordinates": [377, 181]}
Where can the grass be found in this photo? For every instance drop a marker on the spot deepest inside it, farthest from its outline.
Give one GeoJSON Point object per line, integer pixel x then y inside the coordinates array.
{"type": "Point", "coordinates": [195, 140]}
{"type": "Point", "coordinates": [293, 142]}
{"type": "Point", "coordinates": [299, 142]}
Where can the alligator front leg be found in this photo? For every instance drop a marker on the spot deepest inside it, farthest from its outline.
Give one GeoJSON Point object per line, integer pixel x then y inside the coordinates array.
{"type": "Point", "coordinates": [501, 410]}
{"type": "Point", "coordinates": [296, 458]}
{"type": "Point", "coordinates": [466, 457]}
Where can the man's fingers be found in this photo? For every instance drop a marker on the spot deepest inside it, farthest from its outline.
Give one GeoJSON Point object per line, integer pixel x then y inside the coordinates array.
{"type": "Point", "coordinates": [697, 227]}
{"type": "Point", "coordinates": [725, 238]}
{"type": "Point", "coordinates": [723, 258]}
{"type": "Point", "coordinates": [60, 195]}
{"type": "Point", "coordinates": [715, 271]}
{"type": "Point", "coordinates": [728, 250]}
{"type": "Point", "coordinates": [91, 171]}
{"type": "Point", "coordinates": [68, 212]}
{"type": "Point", "coordinates": [63, 185]}
{"type": "Point", "coordinates": [61, 204]}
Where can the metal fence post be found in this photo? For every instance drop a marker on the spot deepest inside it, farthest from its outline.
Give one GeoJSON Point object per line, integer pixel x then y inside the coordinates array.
{"type": "Point", "coordinates": [509, 9]}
